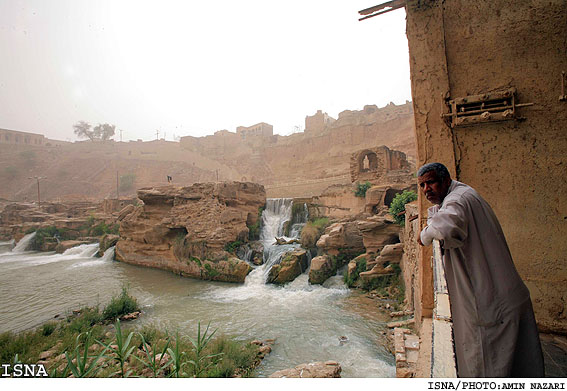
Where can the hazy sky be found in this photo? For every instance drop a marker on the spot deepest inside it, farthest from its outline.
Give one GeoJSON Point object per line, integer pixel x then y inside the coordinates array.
{"type": "Point", "coordinates": [194, 67]}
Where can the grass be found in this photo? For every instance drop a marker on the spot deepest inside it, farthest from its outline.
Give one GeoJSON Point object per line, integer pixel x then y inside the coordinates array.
{"type": "Point", "coordinates": [120, 305]}
{"type": "Point", "coordinates": [84, 349]}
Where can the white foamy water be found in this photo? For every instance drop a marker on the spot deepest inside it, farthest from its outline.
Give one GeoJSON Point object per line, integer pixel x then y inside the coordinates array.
{"type": "Point", "coordinates": [306, 320]}
{"type": "Point", "coordinates": [24, 243]}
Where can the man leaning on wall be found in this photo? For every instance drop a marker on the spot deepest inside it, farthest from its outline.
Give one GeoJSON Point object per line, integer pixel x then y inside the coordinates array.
{"type": "Point", "coordinates": [493, 321]}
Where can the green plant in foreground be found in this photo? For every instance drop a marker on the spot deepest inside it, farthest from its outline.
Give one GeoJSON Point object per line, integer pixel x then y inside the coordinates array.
{"type": "Point", "coordinates": [78, 363]}
{"type": "Point", "coordinates": [122, 351]}
{"type": "Point", "coordinates": [153, 360]}
{"type": "Point", "coordinates": [177, 359]}
{"type": "Point", "coordinates": [398, 205]}
{"type": "Point", "coordinates": [202, 361]}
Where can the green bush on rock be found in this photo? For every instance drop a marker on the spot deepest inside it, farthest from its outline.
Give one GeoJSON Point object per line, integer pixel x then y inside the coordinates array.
{"type": "Point", "coordinates": [398, 205]}
{"type": "Point", "coordinates": [361, 189]}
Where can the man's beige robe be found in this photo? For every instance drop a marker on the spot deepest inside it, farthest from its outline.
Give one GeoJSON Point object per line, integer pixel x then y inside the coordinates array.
{"type": "Point", "coordinates": [494, 325]}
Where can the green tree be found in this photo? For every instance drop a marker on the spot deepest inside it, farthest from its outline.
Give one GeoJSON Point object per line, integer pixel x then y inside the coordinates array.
{"type": "Point", "coordinates": [83, 130]}
{"type": "Point", "coordinates": [398, 205]}
{"type": "Point", "coordinates": [104, 131]}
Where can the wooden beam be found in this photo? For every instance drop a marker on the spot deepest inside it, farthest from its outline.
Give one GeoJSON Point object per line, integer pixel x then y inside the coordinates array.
{"type": "Point", "coordinates": [395, 4]}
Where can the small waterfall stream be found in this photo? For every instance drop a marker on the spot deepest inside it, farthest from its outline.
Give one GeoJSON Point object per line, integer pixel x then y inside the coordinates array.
{"type": "Point", "coordinates": [278, 212]}
{"type": "Point", "coordinates": [24, 243]}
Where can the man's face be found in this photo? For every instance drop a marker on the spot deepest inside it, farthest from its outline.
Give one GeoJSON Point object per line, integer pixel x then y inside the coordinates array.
{"type": "Point", "coordinates": [434, 188]}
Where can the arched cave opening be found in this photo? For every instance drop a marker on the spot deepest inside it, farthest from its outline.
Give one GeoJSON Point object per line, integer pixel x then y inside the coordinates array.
{"type": "Point", "coordinates": [368, 162]}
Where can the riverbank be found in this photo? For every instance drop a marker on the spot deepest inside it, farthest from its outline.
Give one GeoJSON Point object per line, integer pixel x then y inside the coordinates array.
{"type": "Point", "coordinates": [88, 343]}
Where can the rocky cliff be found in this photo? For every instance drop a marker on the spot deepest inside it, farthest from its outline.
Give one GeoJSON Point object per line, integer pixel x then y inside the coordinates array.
{"type": "Point", "coordinates": [186, 229]}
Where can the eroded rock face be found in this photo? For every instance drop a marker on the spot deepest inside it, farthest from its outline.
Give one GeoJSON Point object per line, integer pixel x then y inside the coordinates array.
{"type": "Point", "coordinates": [343, 238]}
{"type": "Point", "coordinates": [378, 231]}
{"type": "Point", "coordinates": [292, 265]}
{"type": "Point", "coordinates": [18, 218]}
{"type": "Point", "coordinates": [185, 229]}
{"type": "Point", "coordinates": [328, 369]}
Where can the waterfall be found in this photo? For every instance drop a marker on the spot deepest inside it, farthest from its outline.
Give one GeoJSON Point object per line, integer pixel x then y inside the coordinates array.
{"type": "Point", "coordinates": [82, 251]}
{"type": "Point", "coordinates": [108, 255]}
{"type": "Point", "coordinates": [274, 217]}
{"type": "Point", "coordinates": [24, 243]}
{"type": "Point", "coordinates": [277, 213]}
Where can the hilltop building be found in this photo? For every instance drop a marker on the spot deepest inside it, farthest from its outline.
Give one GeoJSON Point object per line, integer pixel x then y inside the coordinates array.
{"type": "Point", "coordinates": [16, 137]}
{"type": "Point", "coordinates": [261, 129]}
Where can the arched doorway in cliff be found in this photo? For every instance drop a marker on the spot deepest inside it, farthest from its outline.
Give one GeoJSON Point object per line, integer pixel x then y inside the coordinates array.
{"type": "Point", "coordinates": [389, 196]}
{"type": "Point", "coordinates": [367, 161]}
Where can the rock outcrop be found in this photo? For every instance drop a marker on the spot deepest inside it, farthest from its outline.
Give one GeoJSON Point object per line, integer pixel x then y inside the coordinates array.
{"type": "Point", "coordinates": [378, 231]}
{"type": "Point", "coordinates": [322, 267]}
{"type": "Point", "coordinates": [344, 238]}
{"type": "Point", "coordinates": [74, 217]}
{"type": "Point", "coordinates": [292, 265]}
{"type": "Point", "coordinates": [185, 229]}
{"type": "Point", "coordinates": [390, 254]}
{"type": "Point", "coordinates": [328, 369]}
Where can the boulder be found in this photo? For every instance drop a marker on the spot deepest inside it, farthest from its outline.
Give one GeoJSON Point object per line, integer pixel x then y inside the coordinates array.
{"type": "Point", "coordinates": [322, 267]}
{"type": "Point", "coordinates": [341, 238]}
{"type": "Point", "coordinates": [185, 229]}
{"type": "Point", "coordinates": [328, 369]}
{"type": "Point", "coordinates": [292, 265]}
{"type": "Point", "coordinates": [390, 254]}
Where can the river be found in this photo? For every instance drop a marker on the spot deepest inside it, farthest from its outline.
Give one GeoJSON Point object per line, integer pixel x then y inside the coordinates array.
{"type": "Point", "coordinates": [306, 320]}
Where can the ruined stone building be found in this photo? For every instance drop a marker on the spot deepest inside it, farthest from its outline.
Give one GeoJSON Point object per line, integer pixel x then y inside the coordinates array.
{"type": "Point", "coordinates": [16, 137]}
{"type": "Point", "coordinates": [489, 98]}
{"type": "Point", "coordinates": [261, 129]}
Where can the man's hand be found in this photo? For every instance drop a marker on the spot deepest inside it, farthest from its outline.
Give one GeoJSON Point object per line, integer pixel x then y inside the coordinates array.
{"type": "Point", "coordinates": [419, 239]}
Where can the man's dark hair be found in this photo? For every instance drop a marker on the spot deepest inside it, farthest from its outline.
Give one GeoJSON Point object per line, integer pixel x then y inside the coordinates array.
{"type": "Point", "coordinates": [439, 169]}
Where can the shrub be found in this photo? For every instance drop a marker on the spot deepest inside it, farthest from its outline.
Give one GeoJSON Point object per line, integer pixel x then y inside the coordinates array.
{"type": "Point", "coordinates": [232, 246]}
{"type": "Point", "coordinates": [102, 229]}
{"type": "Point", "coordinates": [89, 316]}
{"type": "Point", "coordinates": [121, 305]}
{"type": "Point", "coordinates": [360, 267]}
{"type": "Point", "coordinates": [41, 234]}
{"type": "Point", "coordinates": [236, 357]}
{"type": "Point", "coordinates": [398, 205]}
{"type": "Point", "coordinates": [47, 329]}
{"type": "Point", "coordinates": [361, 189]}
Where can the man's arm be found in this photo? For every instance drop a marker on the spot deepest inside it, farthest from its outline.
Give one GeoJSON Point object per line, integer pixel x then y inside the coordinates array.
{"type": "Point", "coordinates": [448, 225]}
